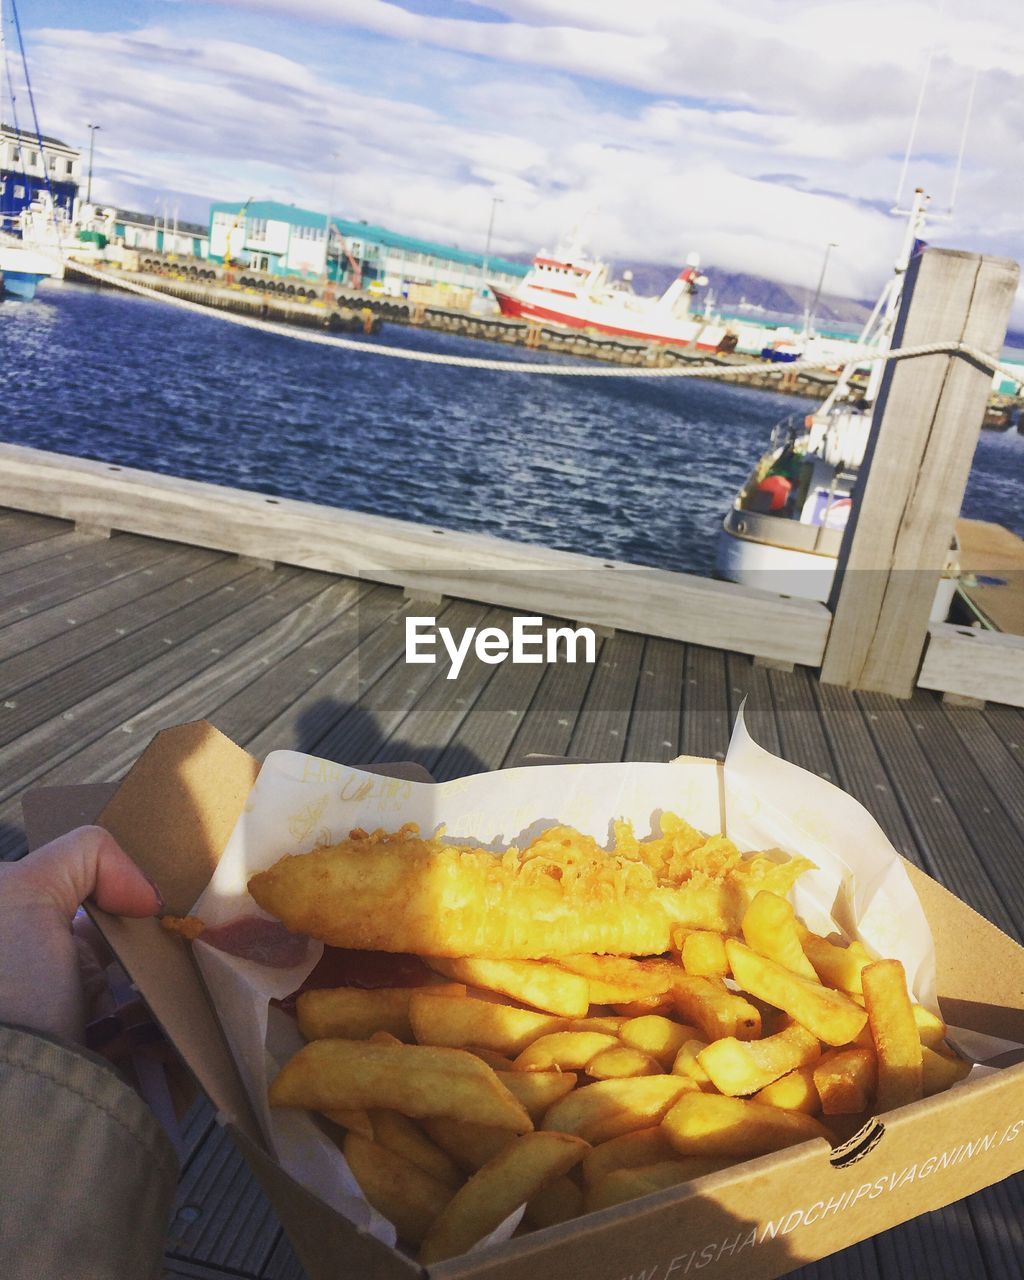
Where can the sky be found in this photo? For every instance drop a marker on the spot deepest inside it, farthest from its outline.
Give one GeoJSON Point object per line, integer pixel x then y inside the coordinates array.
{"type": "Point", "coordinates": [753, 132]}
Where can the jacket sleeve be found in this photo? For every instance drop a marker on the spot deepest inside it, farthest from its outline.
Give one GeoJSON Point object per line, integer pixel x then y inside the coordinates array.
{"type": "Point", "coordinates": [87, 1176]}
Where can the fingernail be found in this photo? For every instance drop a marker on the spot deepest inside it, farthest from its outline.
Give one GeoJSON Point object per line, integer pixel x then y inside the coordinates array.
{"type": "Point", "coordinates": [156, 889]}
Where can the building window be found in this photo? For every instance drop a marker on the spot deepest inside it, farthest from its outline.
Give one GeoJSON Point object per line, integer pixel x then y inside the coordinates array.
{"type": "Point", "coordinates": [33, 158]}
{"type": "Point", "coordinates": [69, 167]}
{"type": "Point", "coordinates": [258, 229]}
{"type": "Point", "coordinates": [19, 192]}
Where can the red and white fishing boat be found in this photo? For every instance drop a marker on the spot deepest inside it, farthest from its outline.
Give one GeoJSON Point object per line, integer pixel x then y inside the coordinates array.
{"type": "Point", "coordinates": [572, 289]}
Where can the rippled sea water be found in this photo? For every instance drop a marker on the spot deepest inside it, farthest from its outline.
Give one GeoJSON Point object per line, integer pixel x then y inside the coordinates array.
{"type": "Point", "coordinates": [622, 468]}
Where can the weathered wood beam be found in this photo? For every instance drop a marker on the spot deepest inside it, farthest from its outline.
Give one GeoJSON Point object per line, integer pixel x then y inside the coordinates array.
{"type": "Point", "coordinates": [925, 429]}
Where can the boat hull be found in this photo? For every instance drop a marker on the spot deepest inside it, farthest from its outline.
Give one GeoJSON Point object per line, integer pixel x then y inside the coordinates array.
{"type": "Point", "coordinates": [20, 285]}
{"type": "Point", "coordinates": [694, 335]}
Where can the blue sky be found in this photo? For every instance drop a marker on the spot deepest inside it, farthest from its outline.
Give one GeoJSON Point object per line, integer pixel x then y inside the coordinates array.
{"type": "Point", "coordinates": [753, 133]}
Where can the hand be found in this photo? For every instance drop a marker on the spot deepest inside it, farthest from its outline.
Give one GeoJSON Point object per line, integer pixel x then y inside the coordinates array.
{"type": "Point", "coordinates": [41, 982]}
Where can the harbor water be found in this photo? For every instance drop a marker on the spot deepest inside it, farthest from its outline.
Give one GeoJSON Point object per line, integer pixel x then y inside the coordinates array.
{"type": "Point", "coordinates": [620, 468]}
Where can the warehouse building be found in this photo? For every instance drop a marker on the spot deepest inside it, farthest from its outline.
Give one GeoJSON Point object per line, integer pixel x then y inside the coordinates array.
{"type": "Point", "coordinates": [29, 170]}
{"type": "Point", "coordinates": [265, 235]}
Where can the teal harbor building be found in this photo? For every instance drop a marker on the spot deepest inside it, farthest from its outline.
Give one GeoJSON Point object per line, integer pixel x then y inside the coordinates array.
{"type": "Point", "coordinates": [283, 239]}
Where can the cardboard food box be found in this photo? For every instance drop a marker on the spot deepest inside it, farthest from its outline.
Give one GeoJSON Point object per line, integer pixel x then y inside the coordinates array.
{"type": "Point", "coordinates": [175, 812]}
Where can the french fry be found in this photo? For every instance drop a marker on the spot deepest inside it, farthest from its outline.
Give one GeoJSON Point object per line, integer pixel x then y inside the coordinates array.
{"type": "Point", "coordinates": [622, 979]}
{"type": "Point", "coordinates": [559, 1201]}
{"type": "Point", "coordinates": [660, 1037]}
{"type": "Point", "coordinates": [718, 1012]}
{"type": "Point", "coordinates": [838, 967]}
{"type": "Point", "coordinates": [769, 927]}
{"type": "Point", "coordinates": [409, 1198]}
{"type": "Point", "coordinates": [407, 1139]}
{"type": "Point", "coordinates": [534, 982]}
{"type": "Point", "coordinates": [845, 1080]}
{"type": "Point", "coordinates": [628, 1151]}
{"type": "Point", "coordinates": [703, 954]}
{"type": "Point", "coordinates": [350, 1013]}
{"type": "Point", "coordinates": [649, 1004]}
{"type": "Point", "coordinates": [563, 1051]}
{"type": "Point", "coordinates": [830, 1015]}
{"type": "Point", "coordinates": [417, 1080]}
{"type": "Point", "coordinates": [620, 1061]}
{"type": "Point", "coordinates": [513, 1177]}
{"type": "Point", "coordinates": [355, 1121]}
{"type": "Point", "coordinates": [537, 1090]}
{"type": "Point", "coordinates": [687, 1063]}
{"type": "Point", "coordinates": [608, 1024]}
{"type": "Point", "coordinates": [469, 1145]}
{"type": "Point", "coordinates": [628, 1184]}
{"type": "Point", "coordinates": [603, 1110]}
{"type": "Point", "coordinates": [459, 1024]}
{"type": "Point", "coordinates": [496, 1061]}
{"type": "Point", "coordinates": [794, 1091]}
{"type": "Point", "coordinates": [938, 1072]}
{"type": "Point", "coordinates": [740, 1067]}
{"type": "Point", "coordinates": [895, 1033]}
{"type": "Point", "coordinates": [711, 1125]}
{"type": "Point", "coordinates": [931, 1029]}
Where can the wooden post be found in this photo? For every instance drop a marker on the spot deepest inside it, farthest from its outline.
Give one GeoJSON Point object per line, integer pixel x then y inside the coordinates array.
{"type": "Point", "coordinates": [926, 424]}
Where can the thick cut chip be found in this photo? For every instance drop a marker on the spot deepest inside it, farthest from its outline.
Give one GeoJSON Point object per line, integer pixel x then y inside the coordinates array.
{"type": "Point", "coordinates": [417, 1080]}
{"type": "Point", "coordinates": [460, 1024]}
{"type": "Point", "coordinates": [350, 1013]}
{"type": "Point", "coordinates": [770, 929]}
{"type": "Point", "coordinates": [718, 1011]}
{"type": "Point", "coordinates": [409, 1198]}
{"type": "Point", "coordinates": [469, 1145]}
{"type": "Point", "coordinates": [940, 1072]}
{"type": "Point", "coordinates": [703, 954]}
{"type": "Point", "coordinates": [661, 1038]}
{"type": "Point", "coordinates": [739, 1067]}
{"type": "Point", "coordinates": [620, 1061]}
{"type": "Point", "coordinates": [533, 982]}
{"type": "Point", "coordinates": [406, 1138]}
{"type": "Point", "coordinates": [794, 1091]}
{"type": "Point", "coordinates": [603, 1110]}
{"type": "Point", "coordinates": [687, 1063]}
{"type": "Point", "coordinates": [629, 1183]}
{"type": "Point", "coordinates": [845, 1081]}
{"type": "Point", "coordinates": [560, 1201]}
{"type": "Point", "coordinates": [838, 967]}
{"type": "Point", "coordinates": [708, 1124]}
{"type": "Point", "coordinates": [930, 1028]}
{"type": "Point", "coordinates": [355, 1121]}
{"type": "Point", "coordinates": [830, 1015]}
{"type": "Point", "coordinates": [538, 1090]}
{"type": "Point", "coordinates": [895, 1033]}
{"type": "Point", "coordinates": [629, 1151]}
{"type": "Point", "coordinates": [563, 1051]}
{"type": "Point", "coordinates": [622, 980]}
{"type": "Point", "coordinates": [512, 1178]}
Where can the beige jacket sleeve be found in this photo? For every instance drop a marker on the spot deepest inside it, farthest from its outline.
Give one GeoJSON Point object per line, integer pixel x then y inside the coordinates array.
{"type": "Point", "coordinates": [87, 1176]}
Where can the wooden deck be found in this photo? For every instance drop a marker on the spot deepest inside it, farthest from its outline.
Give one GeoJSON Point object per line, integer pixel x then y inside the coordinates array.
{"type": "Point", "coordinates": [103, 641]}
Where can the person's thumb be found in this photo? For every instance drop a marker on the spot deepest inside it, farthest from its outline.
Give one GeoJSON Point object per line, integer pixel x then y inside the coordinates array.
{"type": "Point", "coordinates": [88, 863]}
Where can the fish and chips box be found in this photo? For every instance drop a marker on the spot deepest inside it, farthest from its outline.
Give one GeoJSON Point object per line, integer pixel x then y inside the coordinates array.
{"type": "Point", "coordinates": [191, 792]}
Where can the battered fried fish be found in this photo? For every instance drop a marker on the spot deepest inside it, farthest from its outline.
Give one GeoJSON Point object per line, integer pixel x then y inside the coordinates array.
{"type": "Point", "coordinates": [561, 895]}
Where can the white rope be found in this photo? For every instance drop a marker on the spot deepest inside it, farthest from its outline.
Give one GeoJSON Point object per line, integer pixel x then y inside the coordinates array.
{"type": "Point", "coordinates": [860, 354]}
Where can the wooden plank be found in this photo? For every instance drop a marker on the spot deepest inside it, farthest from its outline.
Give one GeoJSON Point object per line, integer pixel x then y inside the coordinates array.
{"type": "Point", "coordinates": [603, 723]}
{"type": "Point", "coordinates": [37, 628]}
{"type": "Point", "coordinates": [973, 663]}
{"type": "Point", "coordinates": [1008, 722]}
{"type": "Point", "coordinates": [365, 649]}
{"type": "Point", "coordinates": [802, 737]}
{"type": "Point", "coordinates": [60, 690]}
{"type": "Point", "coordinates": [922, 439]}
{"type": "Point", "coordinates": [18, 528]}
{"type": "Point", "coordinates": [749, 687]}
{"type": "Point", "coordinates": [997, 1214]}
{"type": "Point", "coordinates": [423, 558]}
{"type": "Point", "coordinates": [992, 561]}
{"type": "Point", "coordinates": [25, 586]}
{"type": "Point", "coordinates": [547, 723]}
{"type": "Point", "coordinates": [282, 1263]}
{"type": "Point", "coordinates": [941, 1243]}
{"type": "Point", "coordinates": [124, 555]}
{"type": "Point", "coordinates": [36, 552]}
{"type": "Point", "coordinates": [655, 727]}
{"type": "Point", "coordinates": [707, 720]}
{"type": "Point", "coordinates": [993, 759]}
{"type": "Point", "coordinates": [948, 854]}
{"type": "Point", "coordinates": [88, 642]}
{"type": "Point", "coordinates": [859, 1262]}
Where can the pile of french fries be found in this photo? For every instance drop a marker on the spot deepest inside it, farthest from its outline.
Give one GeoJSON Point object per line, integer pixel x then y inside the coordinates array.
{"type": "Point", "coordinates": [577, 1083]}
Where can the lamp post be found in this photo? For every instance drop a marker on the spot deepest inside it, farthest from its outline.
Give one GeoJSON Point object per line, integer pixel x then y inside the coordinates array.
{"type": "Point", "coordinates": [832, 244]}
{"type": "Point", "coordinates": [92, 138]}
{"type": "Point", "coordinates": [485, 265]}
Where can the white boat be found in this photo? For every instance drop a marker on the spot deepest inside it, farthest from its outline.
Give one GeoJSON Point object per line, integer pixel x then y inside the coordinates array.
{"type": "Point", "coordinates": [785, 527]}
{"type": "Point", "coordinates": [22, 266]}
{"type": "Point", "coordinates": [571, 289]}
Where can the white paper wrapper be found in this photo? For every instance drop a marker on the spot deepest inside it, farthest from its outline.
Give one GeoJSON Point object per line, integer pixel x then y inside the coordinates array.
{"type": "Point", "coordinates": [299, 802]}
